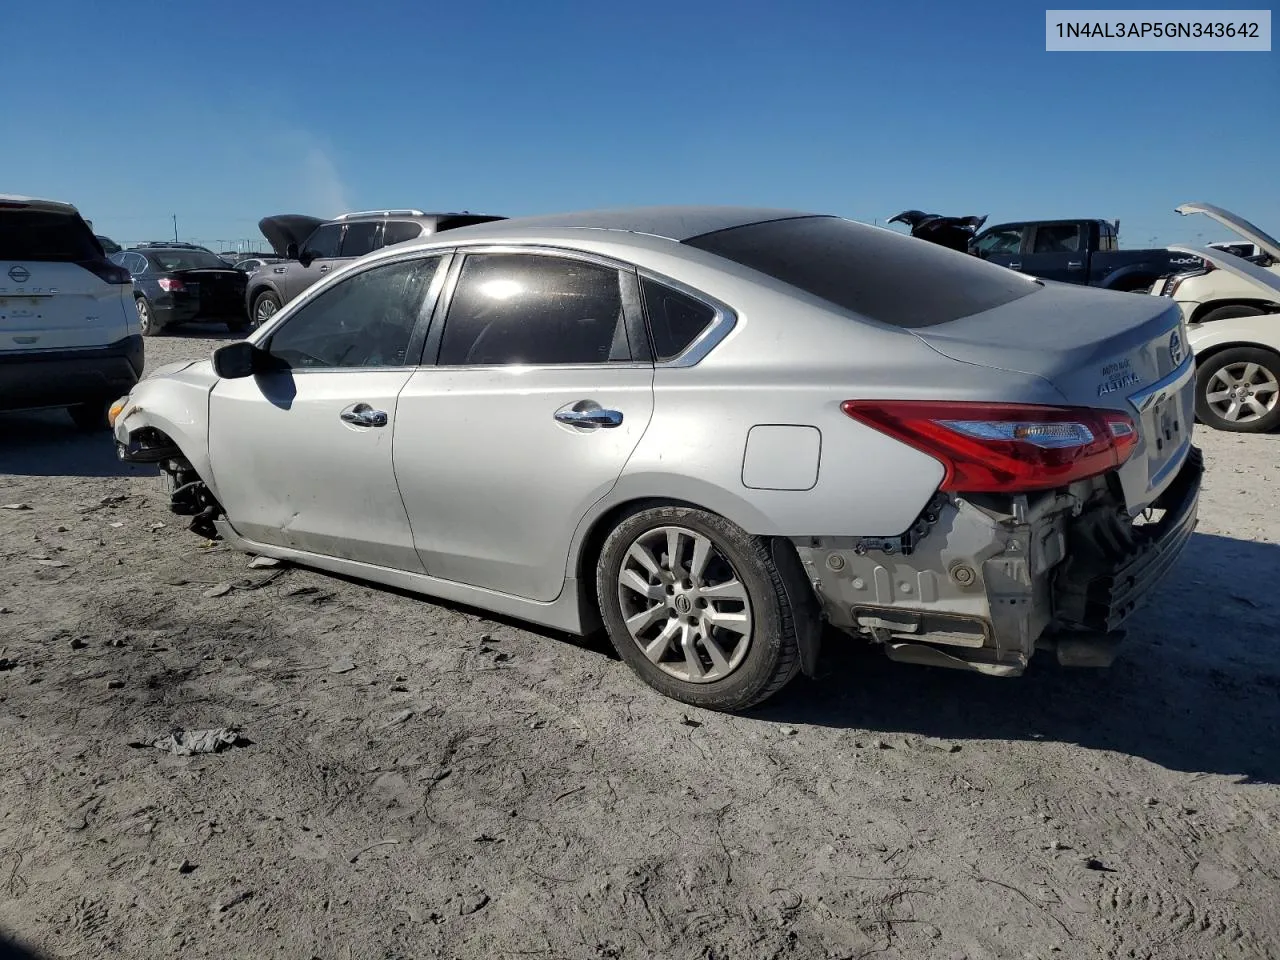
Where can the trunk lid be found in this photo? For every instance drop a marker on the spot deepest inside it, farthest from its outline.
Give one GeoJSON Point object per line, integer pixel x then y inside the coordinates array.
{"type": "Point", "coordinates": [1116, 351]}
{"type": "Point", "coordinates": [1252, 233]}
{"type": "Point", "coordinates": [1269, 280]}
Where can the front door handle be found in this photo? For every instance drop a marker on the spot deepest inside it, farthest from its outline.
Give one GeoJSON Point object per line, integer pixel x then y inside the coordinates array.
{"type": "Point", "coordinates": [363, 415]}
{"type": "Point", "coordinates": [1074, 264]}
{"type": "Point", "coordinates": [590, 418]}
{"type": "Point", "coordinates": [324, 268]}
{"type": "Point", "coordinates": [1015, 266]}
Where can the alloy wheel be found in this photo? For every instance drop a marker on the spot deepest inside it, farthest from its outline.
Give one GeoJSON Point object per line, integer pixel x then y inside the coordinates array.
{"type": "Point", "coordinates": [1242, 392]}
{"type": "Point", "coordinates": [684, 605]}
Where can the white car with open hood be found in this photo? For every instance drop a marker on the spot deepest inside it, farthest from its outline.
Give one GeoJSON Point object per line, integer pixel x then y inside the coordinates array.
{"type": "Point", "coordinates": [1232, 310]}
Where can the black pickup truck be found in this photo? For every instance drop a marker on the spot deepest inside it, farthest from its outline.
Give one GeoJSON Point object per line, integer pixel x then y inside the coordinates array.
{"type": "Point", "coordinates": [1078, 251]}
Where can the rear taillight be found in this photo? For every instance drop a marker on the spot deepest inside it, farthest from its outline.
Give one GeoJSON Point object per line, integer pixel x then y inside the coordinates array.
{"type": "Point", "coordinates": [107, 271]}
{"type": "Point", "coordinates": [170, 285]}
{"type": "Point", "coordinates": [1002, 447]}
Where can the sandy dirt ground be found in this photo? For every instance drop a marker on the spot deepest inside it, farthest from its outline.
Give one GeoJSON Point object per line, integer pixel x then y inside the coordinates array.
{"type": "Point", "coordinates": [415, 780]}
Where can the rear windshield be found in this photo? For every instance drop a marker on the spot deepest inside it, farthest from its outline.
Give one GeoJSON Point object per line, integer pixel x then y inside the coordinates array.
{"type": "Point", "coordinates": [879, 274]}
{"type": "Point", "coordinates": [186, 260]}
{"type": "Point", "coordinates": [46, 235]}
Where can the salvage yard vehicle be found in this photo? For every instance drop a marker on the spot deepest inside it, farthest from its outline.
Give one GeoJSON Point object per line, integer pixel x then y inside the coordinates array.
{"type": "Point", "coordinates": [709, 430]}
{"type": "Point", "coordinates": [1078, 251]}
{"type": "Point", "coordinates": [183, 283]}
{"type": "Point", "coordinates": [316, 247]}
{"type": "Point", "coordinates": [69, 335]}
{"type": "Point", "coordinates": [1232, 309]}
{"type": "Point", "coordinates": [954, 233]}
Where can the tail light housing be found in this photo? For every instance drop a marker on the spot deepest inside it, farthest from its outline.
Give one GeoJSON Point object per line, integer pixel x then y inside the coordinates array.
{"type": "Point", "coordinates": [170, 285]}
{"type": "Point", "coordinates": [1001, 447]}
{"type": "Point", "coordinates": [107, 271]}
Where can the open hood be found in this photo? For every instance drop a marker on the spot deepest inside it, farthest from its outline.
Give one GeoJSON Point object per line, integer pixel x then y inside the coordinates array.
{"type": "Point", "coordinates": [1268, 244]}
{"type": "Point", "coordinates": [951, 232]}
{"type": "Point", "coordinates": [286, 228]}
{"type": "Point", "coordinates": [1269, 280]}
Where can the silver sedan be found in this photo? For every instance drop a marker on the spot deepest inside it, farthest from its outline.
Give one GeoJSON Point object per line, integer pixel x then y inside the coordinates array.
{"type": "Point", "coordinates": [711, 431]}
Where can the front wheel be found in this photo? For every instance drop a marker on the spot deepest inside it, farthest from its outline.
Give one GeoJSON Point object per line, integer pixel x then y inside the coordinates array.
{"type": "Point", "coordinates": [698, 608]}
{"type": "Point", "coordinates": [1239, 390]}
{"type": "Point", "coordinates": [265, 306]}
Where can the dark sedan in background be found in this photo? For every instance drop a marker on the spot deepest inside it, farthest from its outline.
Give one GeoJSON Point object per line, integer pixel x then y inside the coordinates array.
{"type": "Point", "coordinates": [176, 283]}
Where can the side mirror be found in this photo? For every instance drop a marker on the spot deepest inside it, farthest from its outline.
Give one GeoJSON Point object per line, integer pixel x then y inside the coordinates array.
{"type": "Point", "coordinates": [291, 251]}
{"type": "Point", "coordinates": [237, 360]}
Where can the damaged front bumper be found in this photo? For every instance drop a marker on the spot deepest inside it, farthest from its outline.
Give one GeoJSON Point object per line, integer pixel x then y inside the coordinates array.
{"type": "Point", "coordinates": [980, 583]}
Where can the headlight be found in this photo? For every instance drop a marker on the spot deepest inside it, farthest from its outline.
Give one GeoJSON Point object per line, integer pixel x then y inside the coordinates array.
{"type": "Point", "coordinates": [116, 408]}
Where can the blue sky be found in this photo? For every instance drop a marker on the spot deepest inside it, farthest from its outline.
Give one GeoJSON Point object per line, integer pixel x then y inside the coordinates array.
{"type": "Point", "coordinates": [223, 113]}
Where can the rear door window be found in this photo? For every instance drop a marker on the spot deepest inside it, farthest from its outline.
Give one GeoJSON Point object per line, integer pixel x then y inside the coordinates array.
{"type": "Point", "coordinates": [534, 309]}
{"type": "Point", "coordinates": [874, 273]}
{"type": "Point", "coordinates": [1057, 238]}
{"type": "Point", "coordinates": [46, 235]}
{"type": "Point", "coordinates": [361, 237]}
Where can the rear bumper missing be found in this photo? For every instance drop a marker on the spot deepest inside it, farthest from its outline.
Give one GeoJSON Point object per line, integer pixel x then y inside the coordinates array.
{"type": "Point", "coordinates": [979, 584]}
{"type": "Point", "coordinates": [49, 378]}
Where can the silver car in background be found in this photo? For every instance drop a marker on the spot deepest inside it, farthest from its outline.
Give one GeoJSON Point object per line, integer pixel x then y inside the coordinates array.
{"type": "Point", "coordinates": [711, 431]}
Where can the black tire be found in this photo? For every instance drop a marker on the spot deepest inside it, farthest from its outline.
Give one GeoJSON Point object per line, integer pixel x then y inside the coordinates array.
{"type": "Point", "coordinates": [237, 326]}
{"type": "Point", "coordinates": [265, 306]}
{"type": "Point", "coordinates": [772, 656]}
{"type": "Point", "coordinates": [147, 321]}
{"type": "Point", "coordinates": [1268, 363]}
{"type": "Point", "coordinates": [1230, 313]}
{"type": "Point", "coordinates": [90, 417]}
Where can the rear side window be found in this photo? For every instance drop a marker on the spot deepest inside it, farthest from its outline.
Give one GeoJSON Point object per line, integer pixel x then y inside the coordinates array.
{"type": "Point", "coordinates": [398, 231]}
{"type": "Point", "coordinates": [46, 235]}
{"type": "Point", "coordinates": [879, 274]}
{"type": "Point", "coordinates": [361, 238]}
{"type": "Point", "coordinates": [675, 320]}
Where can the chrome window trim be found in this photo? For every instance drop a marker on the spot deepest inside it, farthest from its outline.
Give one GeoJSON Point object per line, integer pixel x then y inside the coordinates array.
{"type": "Point", "coordinates": [721, 325]}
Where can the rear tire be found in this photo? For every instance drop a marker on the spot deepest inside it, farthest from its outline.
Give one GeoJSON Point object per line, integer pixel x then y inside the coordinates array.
{"type": "Point", "coordinates": [147, 321]}
{"type": "Point", "coordinates": [1238, 390]}
{"type": "Point", "coordinates": [90, 417]}
{"type": "Point", "coordinates": [237, 326]}
{"type": "Point", "coordinates": [706, 659]}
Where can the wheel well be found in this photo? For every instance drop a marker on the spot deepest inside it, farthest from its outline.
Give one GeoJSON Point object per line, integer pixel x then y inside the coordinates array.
{"type": "Point", "coordinates": [1205, 308]}
{"type": "Point", "coordinates": [1219, 347]}
{"type": "Point", "coordinates": [260, 289]}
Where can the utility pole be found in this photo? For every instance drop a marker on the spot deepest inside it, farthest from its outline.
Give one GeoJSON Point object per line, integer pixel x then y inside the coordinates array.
{"type": "Point", "coordinates": [175, 228]}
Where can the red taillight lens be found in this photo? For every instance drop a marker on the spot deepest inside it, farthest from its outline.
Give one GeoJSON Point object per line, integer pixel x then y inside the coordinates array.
{"type": "Point", "coordinates": [1003, 447]}
{"type": "Point", "coordinates": [169, 285]}
{"type": "Point", "coordinates": [107, 271]}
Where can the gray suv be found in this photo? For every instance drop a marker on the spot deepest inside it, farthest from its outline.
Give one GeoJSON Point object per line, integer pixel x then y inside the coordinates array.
{"type": "Point", "coordinates": [312, 247]}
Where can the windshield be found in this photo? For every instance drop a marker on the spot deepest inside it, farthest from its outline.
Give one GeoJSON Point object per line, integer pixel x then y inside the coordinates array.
{"type": "Point", "coordinates": [878, 274]}
{"type": "Point", "coordinates": [187, 260]}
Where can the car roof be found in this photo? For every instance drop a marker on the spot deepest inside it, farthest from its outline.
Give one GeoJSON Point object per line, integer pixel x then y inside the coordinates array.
{"type": "Point", "coordinates": [677, 223]}
{"type": "Point", "coordinates": [58, 206]}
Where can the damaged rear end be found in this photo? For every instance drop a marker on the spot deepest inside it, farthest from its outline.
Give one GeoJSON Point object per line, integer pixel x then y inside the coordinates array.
{"type": "Point", "coordinates": [1053, 523]}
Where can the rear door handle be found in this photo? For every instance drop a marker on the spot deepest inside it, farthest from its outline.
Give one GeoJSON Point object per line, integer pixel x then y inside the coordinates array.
{"type": "Point", "coordinates": [1015, 266]}
{"type": "Point", "coordinates": [1074, 265]}
{"type": "Point", "coordinates": [590, 418]}
{"type": "Point", "coordinates": [363, 415]}
{"type": "Point", "coordinates": [324, 268]}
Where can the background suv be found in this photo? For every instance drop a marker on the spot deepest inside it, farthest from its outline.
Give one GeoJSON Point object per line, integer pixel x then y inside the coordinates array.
{"type": "Point", "coordinates": [312, 247]}
{"type": "Point", "coordinates": [68, 332]}
{"type": "Point", "coordinates": [180, 283]}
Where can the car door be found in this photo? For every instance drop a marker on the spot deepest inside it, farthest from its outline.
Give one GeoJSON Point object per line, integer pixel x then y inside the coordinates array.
{"type": "Point", "coordinates": [526, 419]}
{"type": "Point", "coordinates": [301, 454]}
{"type": "Point", "coordinates": [1057, 251]}
{"type": "Point", "coordinates": [1002, 245]}
{"type": "Point", "coordinates": [319, 254]}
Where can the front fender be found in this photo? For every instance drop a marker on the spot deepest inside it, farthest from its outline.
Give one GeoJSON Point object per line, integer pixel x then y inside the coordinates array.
{"type": "Point", "coordinates": [177, 404]}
